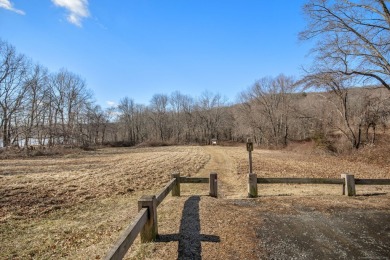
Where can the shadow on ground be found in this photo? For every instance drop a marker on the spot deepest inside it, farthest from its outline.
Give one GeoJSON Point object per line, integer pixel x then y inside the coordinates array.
{"type": "Point", "coordinates": [190, 239]}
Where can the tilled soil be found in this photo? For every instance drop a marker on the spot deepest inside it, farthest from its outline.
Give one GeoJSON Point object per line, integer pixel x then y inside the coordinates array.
{"type": "Point", "coordinates": [30, 187]}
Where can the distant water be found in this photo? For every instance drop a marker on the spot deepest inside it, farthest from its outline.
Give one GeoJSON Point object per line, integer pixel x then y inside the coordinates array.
{"type": "Point", "coordinates": [31, 141]}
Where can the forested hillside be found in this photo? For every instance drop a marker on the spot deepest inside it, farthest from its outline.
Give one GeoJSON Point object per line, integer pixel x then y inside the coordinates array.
{"type": "Point", "coordinates": [45, 108]}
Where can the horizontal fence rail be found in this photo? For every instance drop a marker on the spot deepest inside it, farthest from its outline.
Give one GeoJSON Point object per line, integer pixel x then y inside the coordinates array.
{"type": "Point", "coordinates": [347, 180]}
{"type": "Point", "coordinates": [372, 181]}
{"type": "Point", "coordinates": [165, 191]}
{"type": "Point", "coordinates": [321, 181]}
{"type": "Point", "coordinates": [194, 180]}
{"type": "Point", "coordinates": [300, 180]}
{"type": "Point", "coordinates": [128, 236]}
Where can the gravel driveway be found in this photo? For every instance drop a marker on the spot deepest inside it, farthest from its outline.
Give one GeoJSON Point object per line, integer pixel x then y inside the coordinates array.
{"type": "Point", "coordinates": [348, 234]}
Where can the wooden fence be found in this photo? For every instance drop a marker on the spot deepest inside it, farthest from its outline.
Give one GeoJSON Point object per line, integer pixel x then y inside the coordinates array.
{"type": "Point", "coordinates": [145, 223]}
{"type": "Point", "coordinates": [347, 180]}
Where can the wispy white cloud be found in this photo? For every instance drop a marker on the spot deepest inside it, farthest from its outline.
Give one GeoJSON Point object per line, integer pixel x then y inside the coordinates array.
{"type": "Point", "coordinates": [6, 4]}
{"type": "Point", "coordinates": [111, 103]}
{"type": "Point", "coordinates": [78, 9]}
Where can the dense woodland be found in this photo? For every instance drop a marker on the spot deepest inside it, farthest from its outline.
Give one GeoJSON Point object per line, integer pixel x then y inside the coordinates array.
{"type": "Point", "coordinates": [342, 103]}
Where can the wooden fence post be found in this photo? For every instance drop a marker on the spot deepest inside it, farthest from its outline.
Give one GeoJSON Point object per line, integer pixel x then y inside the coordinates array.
{"type": "Point", "coordinates": [349, 185]}
{"type": "Point", "coordinates": [249, 148]}
{"type": "Point", "coordinates": [252, 185]}
{"type": "Point", "coordinates": [149, 231]}
{"type": "Point", "coordinates": [213, 185]}
{"type": "Point", "coordinates": [176, 187]}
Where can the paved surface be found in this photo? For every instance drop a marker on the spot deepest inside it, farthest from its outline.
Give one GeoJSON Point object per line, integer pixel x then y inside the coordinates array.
{"type": "Point", "coordinates": [351, 234]}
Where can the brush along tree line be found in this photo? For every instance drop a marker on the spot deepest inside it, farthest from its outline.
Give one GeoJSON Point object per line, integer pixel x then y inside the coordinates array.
{"type": "Point", "coordinates": [353, 49]}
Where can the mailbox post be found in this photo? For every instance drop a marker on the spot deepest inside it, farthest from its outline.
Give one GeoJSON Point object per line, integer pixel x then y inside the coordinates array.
{"type": "Point", "coordinates": [249, 148]}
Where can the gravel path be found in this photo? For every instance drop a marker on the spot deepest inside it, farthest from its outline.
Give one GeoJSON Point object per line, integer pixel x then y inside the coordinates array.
{"type": "Point", "coordinates": [347, 234]}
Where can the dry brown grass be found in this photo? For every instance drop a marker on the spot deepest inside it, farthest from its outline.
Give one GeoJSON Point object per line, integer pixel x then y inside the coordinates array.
{"type": "Point", "coordinates": [76, 206]}
{"type": "Point", "coordinates": [233, 218]}
{"type": "Point", "coordinates": [288, 164]}
{"type": "Point", "coordinates": [235, 221]}
{"type": "Point", "coordinates": [70, 206]}
{"type": "Point", "coordinates": [35, 186]}
{"type": "Point", "coordinates": [280, 164]}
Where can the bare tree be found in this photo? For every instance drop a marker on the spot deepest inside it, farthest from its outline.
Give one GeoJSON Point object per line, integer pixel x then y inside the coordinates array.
{"type": "Point", "coordinates": [69, 97]}
{"type": "Point", "coordinates": [177, 114]}
{"type": "Point", "coordinates": [127, 112]}
{"type": "Point", "coordinates": [13, 73]}
{"type": "Point", "coordinates": [339, 86]}
{"type": "Point", "coordinates": [182, 116]}
{"type": "Point", "coordinates": [112, 129]}
{"type": "Point", "coordinates": [159, 116]}
{"type": "Point", "coordinates": [36, 92]}
{"type": "Point", "coordinates": [353, 38]}
{"type": "Point", "coordinates": [267, 109]}
{"type": "Point", "coordinates": [343, 108]}
{"type": "Point", "coordinates": [211, 111]}
{"type": "Point", "coordinates": [95, 125]}
{"type": "Point", "coordinates": [375, 112]}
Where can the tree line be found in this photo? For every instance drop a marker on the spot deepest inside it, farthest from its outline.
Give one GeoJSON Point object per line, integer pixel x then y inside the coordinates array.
{"type": "Point", "coordinates": [49, 108]}
{"type": "Point", "coordinates": [342, 102]}
{"type": "Point", "coordinates": [39, 107]}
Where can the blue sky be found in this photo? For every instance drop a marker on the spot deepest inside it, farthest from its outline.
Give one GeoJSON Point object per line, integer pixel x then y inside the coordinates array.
{"type": "Point", "coordinates": [138, 48]}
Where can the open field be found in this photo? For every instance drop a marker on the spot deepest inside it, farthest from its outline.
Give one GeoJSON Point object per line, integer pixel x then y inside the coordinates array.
{"type": "Point", "coordinates": [75, 206]}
